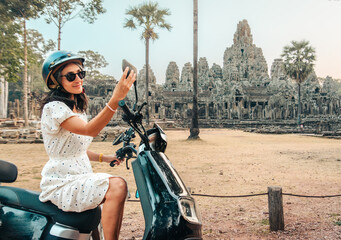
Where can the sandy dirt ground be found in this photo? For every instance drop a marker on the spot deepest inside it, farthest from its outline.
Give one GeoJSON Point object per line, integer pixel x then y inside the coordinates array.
{"type": "Point", "coordinates": [231, 162]}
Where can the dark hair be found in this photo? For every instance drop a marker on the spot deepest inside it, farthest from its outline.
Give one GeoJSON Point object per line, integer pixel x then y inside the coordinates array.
{"type": "Point", "coordinates": [59, 94]}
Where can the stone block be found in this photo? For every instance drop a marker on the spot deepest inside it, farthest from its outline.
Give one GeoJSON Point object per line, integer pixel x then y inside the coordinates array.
{"type": "Point", "coordinates": [20, 141]}
{"type": "Point", "coordinates": [35, 124]}
{"type": "Point", "coordinates": [11, 134]}
{"type": "Point", "coordinates": [9, 123]}
{"type": "Point", "coordinates": [23, 131]}
{"type": "Point", "coordinates": [38, 141]}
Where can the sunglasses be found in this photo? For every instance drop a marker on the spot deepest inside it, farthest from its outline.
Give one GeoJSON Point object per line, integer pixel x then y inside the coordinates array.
{"type": "Point", "coordinates": [72, 76]}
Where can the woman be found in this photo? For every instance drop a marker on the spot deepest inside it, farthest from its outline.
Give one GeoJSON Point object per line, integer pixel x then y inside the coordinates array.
{"type": "Point", "coordinates": [67, 178]}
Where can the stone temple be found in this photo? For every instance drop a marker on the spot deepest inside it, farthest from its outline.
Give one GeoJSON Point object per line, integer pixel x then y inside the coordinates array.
{"type": "Point", "coordinates": [239, 91]}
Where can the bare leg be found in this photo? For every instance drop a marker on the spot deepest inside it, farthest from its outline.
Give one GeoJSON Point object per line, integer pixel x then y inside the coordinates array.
{"type": "Point", "coordinates": [112, 212]}
{"type": "Point", "coordinates": [121, 217]}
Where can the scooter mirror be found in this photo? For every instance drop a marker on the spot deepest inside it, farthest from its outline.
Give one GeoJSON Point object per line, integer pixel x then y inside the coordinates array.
{"type": "Point", "coordinates": [118, 140]}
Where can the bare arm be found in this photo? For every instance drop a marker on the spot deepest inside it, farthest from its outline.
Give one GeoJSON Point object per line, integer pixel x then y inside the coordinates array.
{"type": "Point", "coordinates": [106, 158]}
{"type": "Point", "coordinates": [93, 127]}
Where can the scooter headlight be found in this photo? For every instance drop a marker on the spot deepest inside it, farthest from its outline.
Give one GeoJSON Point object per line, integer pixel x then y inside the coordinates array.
{"type": "Point", "coordinates": [189, 211]}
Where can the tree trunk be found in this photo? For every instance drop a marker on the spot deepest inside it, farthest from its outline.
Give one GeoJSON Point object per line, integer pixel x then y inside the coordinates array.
{"type": "Point", "coordinates": [25, 75]}
{"type": "Point", "coordinates": [299, 106]}
{"type": "Point", "coordinates": [59, 23]}
{"type": "Point", "coordinates": [194, 131]}
{"type": "Point", "coordinates": [3, 97]}
{"type": "Point", "coordinates": [147, 81]}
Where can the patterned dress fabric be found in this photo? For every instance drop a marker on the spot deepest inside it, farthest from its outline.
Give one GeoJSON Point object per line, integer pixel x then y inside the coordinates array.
{"type": "Point", "coordinates": [67, 178]}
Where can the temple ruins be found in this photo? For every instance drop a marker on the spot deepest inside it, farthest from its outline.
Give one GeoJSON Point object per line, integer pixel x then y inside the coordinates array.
{"type": "Point", "coordinates": [240, 91]}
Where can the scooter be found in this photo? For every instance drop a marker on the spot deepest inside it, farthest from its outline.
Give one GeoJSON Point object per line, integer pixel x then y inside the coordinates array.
{"type": "Point", "coordinates": [24, 217]}
{"type": "Point", "coordinates": [169, 210]}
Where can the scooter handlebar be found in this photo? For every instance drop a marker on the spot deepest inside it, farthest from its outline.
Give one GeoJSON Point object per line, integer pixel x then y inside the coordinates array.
{"type": "Point", "coordinates": [126, 110]}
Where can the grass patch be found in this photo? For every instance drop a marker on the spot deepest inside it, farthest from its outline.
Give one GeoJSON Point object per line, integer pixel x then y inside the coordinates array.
{"type": "Point", "coordinates": [265, 222]}
{"type": "Point", "coordinates": [207, 231]}
{"type": "Point", "coordinates": [336, 218]}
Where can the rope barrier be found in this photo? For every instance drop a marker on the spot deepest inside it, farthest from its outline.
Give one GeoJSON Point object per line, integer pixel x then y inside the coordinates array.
{"type": "Point", "coordinates": [234, 196]}
{"type": "Point", "coordinates": [254, 195]}
{"type": "Point", "coordinates": [307, 196]}
{"type": "Point", "coordinates": [260, 194]}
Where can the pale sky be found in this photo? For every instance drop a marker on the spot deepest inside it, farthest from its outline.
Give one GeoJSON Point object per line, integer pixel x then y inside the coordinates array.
{"type": "Point", "coordinates": [273, 23]}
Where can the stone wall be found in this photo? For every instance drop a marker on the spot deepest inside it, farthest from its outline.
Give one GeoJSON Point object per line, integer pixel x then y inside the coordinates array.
{"type": "Point", "coordinates": [13, 132]}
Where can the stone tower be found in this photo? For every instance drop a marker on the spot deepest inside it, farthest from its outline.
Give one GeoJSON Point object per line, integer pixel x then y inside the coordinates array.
{"type": "Point", "coordinates": [186, 80]}
{"type": "Point", "coordinates": [203, 72]}
{"type": "Point", "coordinates": [215, 79]}
{"type": "Point", "coordinates": [279, 80]}
{"type": "Point", "coordinates": [141, 82]}
{"type": "Point", "coordinates": [243, 61]}
{"type": "Point", "coordinates": [172, 77]}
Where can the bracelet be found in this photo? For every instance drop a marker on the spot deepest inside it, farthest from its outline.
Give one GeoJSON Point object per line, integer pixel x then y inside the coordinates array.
{"type": "Point", "coordinates": [110, 108]}
{"type": "Point", "coordinates": [100, 158]}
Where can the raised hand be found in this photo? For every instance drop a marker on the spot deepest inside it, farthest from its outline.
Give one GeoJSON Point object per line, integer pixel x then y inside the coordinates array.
{"type": "Point", "coordinates": [124, 85]}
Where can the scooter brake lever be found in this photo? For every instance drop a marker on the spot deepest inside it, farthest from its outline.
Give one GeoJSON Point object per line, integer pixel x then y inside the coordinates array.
{"type": "Point", "coordinates": [140, 108]}
{"type": "Point", "coordinates": [112, 163]}
{"type": "Point", "coordinates": [127, 166]}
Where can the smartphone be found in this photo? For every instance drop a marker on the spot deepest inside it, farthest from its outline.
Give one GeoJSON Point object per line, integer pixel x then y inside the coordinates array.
{"type": "Point", "coordinates": [125, 64]}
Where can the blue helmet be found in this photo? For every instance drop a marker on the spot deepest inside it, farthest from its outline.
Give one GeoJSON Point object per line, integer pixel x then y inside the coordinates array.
{"type": "Point", "coordinates": [53, 62]}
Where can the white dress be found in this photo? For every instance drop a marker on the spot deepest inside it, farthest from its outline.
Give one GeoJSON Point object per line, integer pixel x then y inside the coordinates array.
{"type": "Point", "coordinates": [67, 178]}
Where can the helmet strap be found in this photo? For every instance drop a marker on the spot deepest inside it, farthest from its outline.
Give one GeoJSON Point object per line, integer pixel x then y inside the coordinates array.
{"type": "Point", "coordinates": [56, 84]}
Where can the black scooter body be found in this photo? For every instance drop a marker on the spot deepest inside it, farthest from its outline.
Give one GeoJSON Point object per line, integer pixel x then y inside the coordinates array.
{"type": "Point", "coordinates": [161, 191]}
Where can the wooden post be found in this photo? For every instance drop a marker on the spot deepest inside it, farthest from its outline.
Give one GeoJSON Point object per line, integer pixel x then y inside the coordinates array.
{"type": "Point", "coordinates": [275, 200]}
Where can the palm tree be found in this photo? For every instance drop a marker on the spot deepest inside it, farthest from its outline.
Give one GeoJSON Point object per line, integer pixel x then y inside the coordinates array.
{"type": "Point", "coordinates": [148, 16]}
{"type": "Point", "coordinates": [194, 131]}
{"type": "Point", "coordinates": [299, 60]}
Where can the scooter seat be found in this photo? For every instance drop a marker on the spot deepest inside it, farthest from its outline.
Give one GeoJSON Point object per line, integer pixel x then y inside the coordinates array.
{"type": "Point", "coordinates": [85, 221]}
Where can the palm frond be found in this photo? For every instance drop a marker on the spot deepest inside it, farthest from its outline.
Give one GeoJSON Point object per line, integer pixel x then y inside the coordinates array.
{"type": "Point", "coordinates": [133, 11]}
{"type": "Point", "coordinates": [166, 26]}
{"type": "Point", "coordinates": [154, 36]}
{"type": "Point", "coordinates": [129, 23]}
